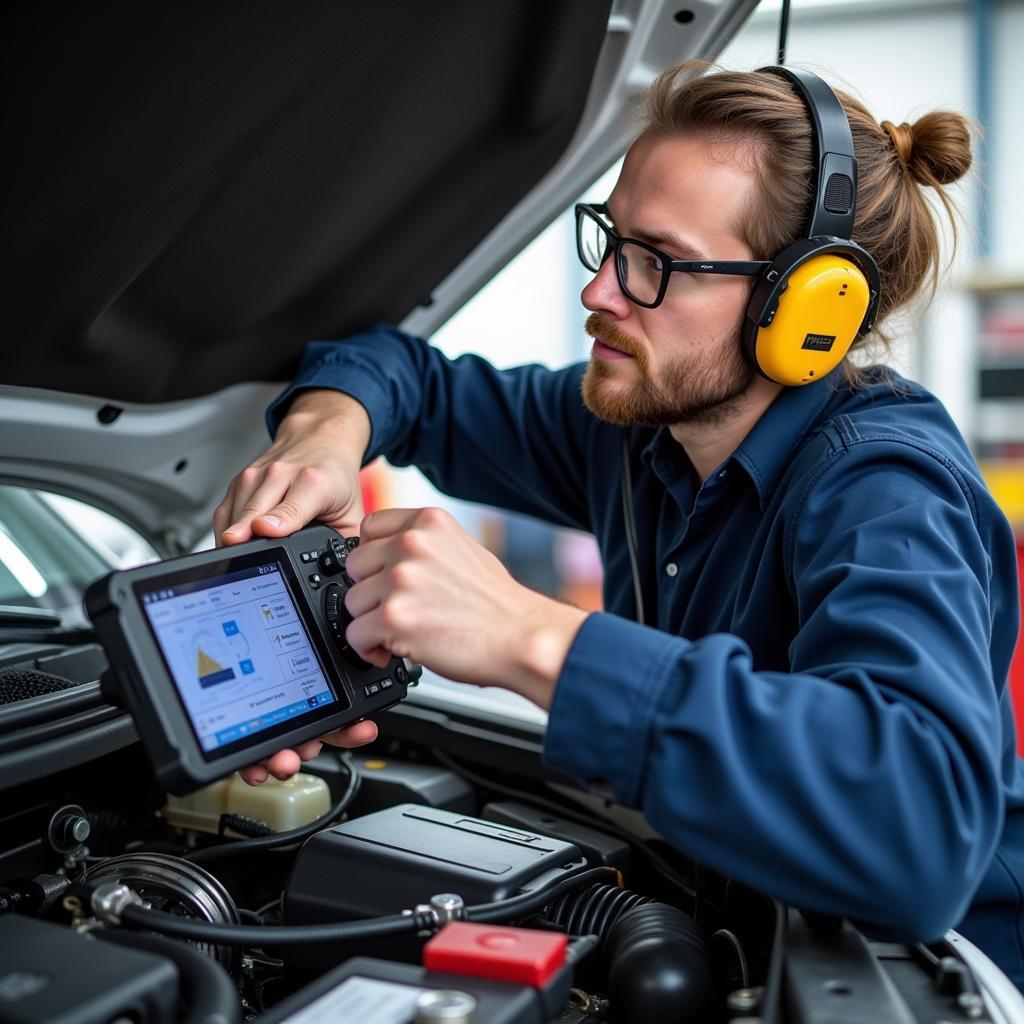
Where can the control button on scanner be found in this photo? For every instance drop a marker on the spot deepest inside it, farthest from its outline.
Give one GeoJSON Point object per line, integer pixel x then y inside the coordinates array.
{"type": "Point", "coordinates": [401, 675]}
{"type": "Point", "coordinates": [370, 689]}
{"type": "Point", "coordinates": [386, 684]}
{"type": "Point", "coordinates": [315, 580]}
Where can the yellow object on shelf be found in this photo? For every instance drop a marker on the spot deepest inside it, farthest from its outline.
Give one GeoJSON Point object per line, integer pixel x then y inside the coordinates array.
{"type": "Point", "coordinates": [282, 805]}
{"type": "Point", "coordinates": [1005, 479]}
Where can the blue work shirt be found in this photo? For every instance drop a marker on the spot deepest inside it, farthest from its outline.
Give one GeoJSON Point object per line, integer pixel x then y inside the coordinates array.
{"type": "Point", "coordinates": [821, 710]}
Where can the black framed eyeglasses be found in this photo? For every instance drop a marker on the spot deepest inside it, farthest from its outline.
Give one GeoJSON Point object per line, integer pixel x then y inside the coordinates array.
{"type": "Point", "coordinates": [643, 271]}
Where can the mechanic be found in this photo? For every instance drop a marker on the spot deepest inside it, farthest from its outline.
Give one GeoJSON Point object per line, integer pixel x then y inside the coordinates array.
{"type": "Point", "coordinates": [817, 705]}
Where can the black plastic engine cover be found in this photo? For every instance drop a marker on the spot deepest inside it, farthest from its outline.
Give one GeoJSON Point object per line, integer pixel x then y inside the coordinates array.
{"type": "Point", "coordinates": [49, 973]}
{"type": "Point", "coordinates": [392, 860]}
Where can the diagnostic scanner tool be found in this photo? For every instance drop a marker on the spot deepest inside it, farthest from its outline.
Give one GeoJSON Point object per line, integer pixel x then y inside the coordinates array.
{"type": "Point", "coordinates": [226, 656]}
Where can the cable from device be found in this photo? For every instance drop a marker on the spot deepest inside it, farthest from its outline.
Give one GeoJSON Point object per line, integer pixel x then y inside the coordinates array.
{"type": "Point", "coordinates": [131, 914]}
{"type": "Point", "coordinates": [630, 521]}
{"type": "Point", "coordinates": [294, 835]}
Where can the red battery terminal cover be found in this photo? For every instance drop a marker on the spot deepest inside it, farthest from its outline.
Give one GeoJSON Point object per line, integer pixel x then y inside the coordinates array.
{"type": "Point", "coordinates": [495, 951]}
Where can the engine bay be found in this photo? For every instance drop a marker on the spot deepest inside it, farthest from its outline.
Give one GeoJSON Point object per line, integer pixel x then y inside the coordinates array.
{"type": "Point", "coordinates": [436, 875]}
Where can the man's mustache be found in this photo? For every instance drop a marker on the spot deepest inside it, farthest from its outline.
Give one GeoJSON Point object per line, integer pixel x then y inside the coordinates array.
{"type": "Point", "coordinates": [605, 331]}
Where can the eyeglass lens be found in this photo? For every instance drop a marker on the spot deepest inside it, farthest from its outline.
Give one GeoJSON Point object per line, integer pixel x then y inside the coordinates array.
{"type": "Point", "coordinates": [639, 270]}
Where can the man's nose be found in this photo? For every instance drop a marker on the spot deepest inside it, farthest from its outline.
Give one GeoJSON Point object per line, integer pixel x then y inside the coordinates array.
{"type": "Point", "coordinates": [603, 294]}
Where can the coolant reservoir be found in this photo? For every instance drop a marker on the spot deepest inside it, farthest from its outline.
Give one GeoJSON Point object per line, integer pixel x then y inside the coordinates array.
{"type": "Point", "coordinates": [282, 805]}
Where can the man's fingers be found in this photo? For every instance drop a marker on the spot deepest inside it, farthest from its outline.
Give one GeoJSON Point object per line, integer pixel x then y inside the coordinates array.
{"type": "Point", "coordinates": [367, 636]}
{"type": "Point", "coordinates": [255, 774]}
{"type": "Point", "coordinates": [255, 494]}
{"type": "Point", "coordinates": [308, 496]}
{"type": "Point", "coordinates": [222, 513]}
{"type": "Point", "coordinates": [389, 521]}
{"type": "Point", "coordinates": [307, 751]}
{"type": "Point", "coordinates": [284, 764]}
{"type": "Point", "coordinates": [353, 736]}
{"type": "Point", "coordinates": [365, 562]}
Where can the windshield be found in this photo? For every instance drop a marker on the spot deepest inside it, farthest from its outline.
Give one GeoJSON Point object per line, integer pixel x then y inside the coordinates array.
{"type": "Point", "coordinates": [52, 548]}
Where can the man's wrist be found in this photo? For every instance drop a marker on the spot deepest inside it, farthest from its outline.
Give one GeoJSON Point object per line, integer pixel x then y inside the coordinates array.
{"type": "Point", "coordinates": [328, 412]}
{"type": "Point", "coordinates": [540, 648]}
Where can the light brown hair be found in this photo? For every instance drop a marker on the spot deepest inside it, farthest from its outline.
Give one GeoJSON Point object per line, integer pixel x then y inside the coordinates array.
{"type": "Point", "coordinates": [765, 114]}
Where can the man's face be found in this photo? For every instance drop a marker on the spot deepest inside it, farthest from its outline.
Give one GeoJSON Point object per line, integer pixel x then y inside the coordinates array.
{"type": "Point", "coordinates": [681, 362]}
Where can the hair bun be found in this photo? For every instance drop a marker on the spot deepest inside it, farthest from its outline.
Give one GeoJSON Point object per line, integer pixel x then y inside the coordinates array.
{"type": "Point", "coordinates": [935, 149]}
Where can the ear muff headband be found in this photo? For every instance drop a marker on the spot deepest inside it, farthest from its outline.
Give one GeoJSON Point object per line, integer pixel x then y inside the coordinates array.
{"type": "Point", "coordinates": [820, 293]}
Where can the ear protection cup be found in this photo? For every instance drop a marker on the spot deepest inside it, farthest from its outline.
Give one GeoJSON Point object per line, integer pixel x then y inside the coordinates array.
{"type": "Point", "coordinates": [821, 308]}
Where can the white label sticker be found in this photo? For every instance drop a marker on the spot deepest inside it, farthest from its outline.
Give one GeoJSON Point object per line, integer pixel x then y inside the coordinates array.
{"type": "Point", "coordinates": [362, 1001]}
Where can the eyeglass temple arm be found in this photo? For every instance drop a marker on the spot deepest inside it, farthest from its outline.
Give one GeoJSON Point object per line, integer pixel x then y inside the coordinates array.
{"type": "Point", "coordinates": [744, 268]}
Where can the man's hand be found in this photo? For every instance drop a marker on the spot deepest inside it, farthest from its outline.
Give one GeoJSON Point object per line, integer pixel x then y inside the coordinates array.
{"type": "Point", "coordinates": [425, 590]}
{"type": "Point", "coordinates": [311, 471]}
{"type": "Point", "coordinates": [285, 763]}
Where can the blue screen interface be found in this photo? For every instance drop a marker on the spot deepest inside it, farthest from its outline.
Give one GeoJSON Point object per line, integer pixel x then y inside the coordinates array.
{"type": "Point", "coordinates": [238, 652]}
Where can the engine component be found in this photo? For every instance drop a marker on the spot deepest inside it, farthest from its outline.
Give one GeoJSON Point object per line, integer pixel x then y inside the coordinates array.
{"type": "Point", "coordinates": [206, 989]}
{"type": "Point", "coordinates": [593, 911]}
{"type": "Point", "coordinates": [526, 955]}
{"type": "Point", "coordinates": [659, 966]}
{"type": "Point", "coordinates": [393, 990]}
{"type": "Point", "coordinates": [68, 828]}
{"type": "Point", "coordinates": [177, 887]}
{"type": "Point", "coordinates": [50, 973]}
{"type": "Point", "coordinates": [387, 781]}
{"type": "Point", "coordinates": [281, 805]}
{"type": "Point", "coordinates": [386, 862]}
{"type": "Point", "coordinates": [652, 959]}
{"type": "Point", "coordinates": [598, 847]}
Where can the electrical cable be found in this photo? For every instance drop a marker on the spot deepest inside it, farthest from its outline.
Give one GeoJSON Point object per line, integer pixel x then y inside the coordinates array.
{"type": "Point", "coordinates": [630, 521]}
{"type": "Point", "coordinates": [581, 816]}
{"type": "Point", "coordinates": [737, 947]}
{"type": "Point", "coordinates": [143, 919]}
{"type": "Point", "coordinates": [294, 835]}
{"type": "Point", "coordinates": [783, 30]}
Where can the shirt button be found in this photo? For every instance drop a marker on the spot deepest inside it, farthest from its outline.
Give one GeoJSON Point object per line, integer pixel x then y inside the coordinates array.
{"type": "Point", "coordinates": [672, 569]}
{"type": "Point", "coordinates": [722, 474]}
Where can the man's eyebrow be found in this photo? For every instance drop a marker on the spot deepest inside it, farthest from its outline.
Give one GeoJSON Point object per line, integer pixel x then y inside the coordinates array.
{"type": "Point", "coordinates": [667, 240]}
{"type": "Point", "coordinates": [663, 240]}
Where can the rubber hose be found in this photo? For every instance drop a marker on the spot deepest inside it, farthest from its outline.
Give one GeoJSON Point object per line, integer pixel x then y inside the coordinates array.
{"type": "Point", "coordinates": [277, 935]}
{"type": "Point", "coordinates": [208, 994]}
{"type": "Point", "coordinates": [593, 912]}
{"type": "Point", "coordinates": [346, 931]}
{"type": "Point", "coordinates": [659, 967]}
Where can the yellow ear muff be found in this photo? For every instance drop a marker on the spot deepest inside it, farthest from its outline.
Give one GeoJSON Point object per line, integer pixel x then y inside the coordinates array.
{"type": "Point", "coordinates": [819, 314]}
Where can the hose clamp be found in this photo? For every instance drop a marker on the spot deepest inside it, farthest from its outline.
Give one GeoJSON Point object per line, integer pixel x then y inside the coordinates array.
{"type": "Point", "coordinates": [109, 899]}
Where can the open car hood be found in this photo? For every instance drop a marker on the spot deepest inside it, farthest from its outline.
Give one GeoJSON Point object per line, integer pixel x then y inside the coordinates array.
{"type": "Point", "coordinates": [195, 192]}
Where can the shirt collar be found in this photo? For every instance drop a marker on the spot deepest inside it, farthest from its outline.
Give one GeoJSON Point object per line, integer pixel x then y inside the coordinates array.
{"type": "Point", "coordinates": [766, 450]}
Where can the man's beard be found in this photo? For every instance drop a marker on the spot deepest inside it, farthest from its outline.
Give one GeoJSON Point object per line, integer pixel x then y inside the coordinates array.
{"type": "Point", "coordinates": [703, 387]}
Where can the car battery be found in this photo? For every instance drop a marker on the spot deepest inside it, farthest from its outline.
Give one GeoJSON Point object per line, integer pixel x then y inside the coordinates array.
{"type": "Point", "coordinates": [373, 991]}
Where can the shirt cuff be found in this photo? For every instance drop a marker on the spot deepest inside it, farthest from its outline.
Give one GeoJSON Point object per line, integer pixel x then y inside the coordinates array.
{"type": "Point", "coordinates": [605, 701]}
{"type": "Point", "coordinates": [352, 380]}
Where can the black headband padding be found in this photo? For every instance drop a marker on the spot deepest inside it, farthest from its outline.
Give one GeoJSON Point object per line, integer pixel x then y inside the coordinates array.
{"type": "Point", "coordinates": [193, 191]}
